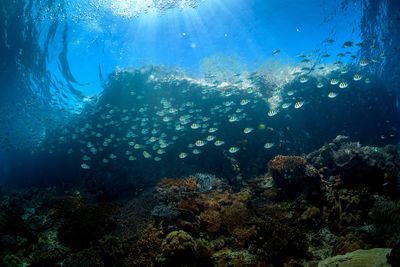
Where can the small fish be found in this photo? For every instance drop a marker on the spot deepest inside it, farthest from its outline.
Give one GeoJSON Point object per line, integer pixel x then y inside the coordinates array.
{"type": "Point", "coordinates": [86, 157]}
{"type": "Point", "coordinates": [195, 126]}
{"type": "Point", "coordinates": [357, 77]}
{"type": "Point", "coordinates": [343, 85]}
{"type": "Point", "coordinates": [112, 156]}
{"type": "Point", "coordinates": [146, 154]}
{"type": "Point", "coordinates": [85, 166]}
{"type": "Point", "coordinates": [105, 160]}
{"type": "Point", "coordinates": [285, 105]}
{"type": "Point", "coordinates": [182, 155]}
{"type": "Point", "coordinates": [334, 81]}
{"type": "Point", "coordinates": [303, 80]}
{"type": "Point", "coordinates": [272, 112]}
{"type": "Point", "coordinates": [268, 145]}
{"type": "Point", "coordinates": [196, 151]}
{"type": "Point", "coordinates": [276, 52]}
{"type": "Point", "coordinates": [160, 151]}
{"type": "Point", "coordinates": [179, 127]}
{"type": "Point", "coordinates": [290, 93]}
{"type": "Point", "coordinates": [200, 143]}
{"type": "Point", "coordinates": [320, 85]}
{"type": "Point", "coordinates": [367, 80]}
{"type": "Point", "coordinates": [299, 104]}
{"type": "Point", "coordinates": [340, 55]}
{"type": "Point", "coordinates": [247, 130]}
{"type": "Point", "coordinates": [348, 44]}
{"type": "Point", "coordinates": [363, 63]}
{"type": "Point", "coordinates": [233, 118]}
{"type": "Point", "coordinates": [332, 95]}
{"type": "Point", "coordinates": [329, 41]}
{"type": "Point", "coordinates": [157, 158]}
{"type": "Point", "coordinates": [212, 130]}
{"type": "Point", "coordinates": [233, 149]}
{"type": "Point", "coordinates": [244, 102]}
{"type": "Point", "coordinates": [166, 119]}
{"type": "Point", "coordinates": [219, 143]}
{"type": "Point", "coordinates": [210, 138]}
{"type": "Point", "coordinates": [132, 158]}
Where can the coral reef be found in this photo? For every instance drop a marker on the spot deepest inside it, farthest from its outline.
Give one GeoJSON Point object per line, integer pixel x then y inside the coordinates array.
{"type": "Point", "coordinates": [327, 208]}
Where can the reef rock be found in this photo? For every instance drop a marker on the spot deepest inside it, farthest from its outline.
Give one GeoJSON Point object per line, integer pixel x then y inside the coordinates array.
{"type": "Point", "coordinates": [294, 177]}
{"type": "Point", "coordinates": [360, 258]}
{"type": "Point", "coordinates": [346, 164]}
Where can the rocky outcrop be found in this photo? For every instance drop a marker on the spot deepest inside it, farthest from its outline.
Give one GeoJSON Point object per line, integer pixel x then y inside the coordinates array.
{"type": "Point", "coordinates": [360, 258]}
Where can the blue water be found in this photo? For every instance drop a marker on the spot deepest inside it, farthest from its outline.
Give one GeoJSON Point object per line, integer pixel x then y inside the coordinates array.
{"type": "Point", "coordinates": [64, 64]}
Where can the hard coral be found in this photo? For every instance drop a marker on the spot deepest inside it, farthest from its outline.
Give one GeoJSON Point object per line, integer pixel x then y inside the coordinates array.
{"type": "Point", "coordinates": [178, 247]}
{"type": "Point", "coordinates": [146, 249]}
{"type": "Point", "coordinates": [188, 184]}
{"type": "Point", "coordinates": [280, 162]}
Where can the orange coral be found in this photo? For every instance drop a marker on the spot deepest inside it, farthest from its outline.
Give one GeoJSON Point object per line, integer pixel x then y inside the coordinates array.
{"type": "Point", "coordinates": [280, 162]}
{"type": "Point", "coordinates": [188, 184]}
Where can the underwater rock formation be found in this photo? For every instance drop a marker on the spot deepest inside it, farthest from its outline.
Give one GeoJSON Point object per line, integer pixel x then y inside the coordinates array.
{"type": "Point", "coordinates": [346, 164]}
{"type": "Point", "coordinates": [293, 177]}
{"type": "Point", "coordinates": [375, 257]}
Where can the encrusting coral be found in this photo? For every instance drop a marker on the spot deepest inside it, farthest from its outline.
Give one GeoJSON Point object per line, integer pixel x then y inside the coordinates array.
{"type": "Point", "coordinates": [281, 163]}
